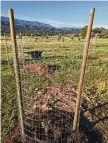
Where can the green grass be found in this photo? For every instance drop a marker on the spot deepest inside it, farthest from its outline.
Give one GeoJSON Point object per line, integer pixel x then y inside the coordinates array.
{"type": "Point", "coordinates": [9, 101]}
{"type": "Point", "coordinates": [68, 55]}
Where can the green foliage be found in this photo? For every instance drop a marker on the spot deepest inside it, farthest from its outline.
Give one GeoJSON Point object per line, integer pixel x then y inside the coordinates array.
{"type": "Point", "coordinates": [102, 32]}
{"type": "Point", "coordinates": [83, 31]}
{"type": "Point", "coordinates": [98, 30]}
{"type": "Point", "coordinates": [97, 35]}
{"type": "Point", "coordinates": [9, 109]}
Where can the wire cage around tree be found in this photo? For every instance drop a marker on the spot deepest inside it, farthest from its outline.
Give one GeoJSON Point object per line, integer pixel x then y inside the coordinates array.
{"type": "Point", "coordinates": [48, 98]}
{"type": "Point", "coordinates": [46, 85]}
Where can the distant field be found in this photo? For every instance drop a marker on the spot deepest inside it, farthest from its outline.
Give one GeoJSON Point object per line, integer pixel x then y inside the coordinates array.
{"type": "Point", "coordinates": [68, 55]}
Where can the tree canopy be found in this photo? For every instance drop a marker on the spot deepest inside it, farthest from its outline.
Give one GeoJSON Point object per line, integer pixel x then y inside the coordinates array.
{"type": "Point", "coordinates": [101, 32]}
{"type": "Point", "coordinates": [83, 31]}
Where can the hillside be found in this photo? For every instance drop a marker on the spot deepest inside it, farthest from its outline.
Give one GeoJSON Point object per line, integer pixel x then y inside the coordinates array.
{"type": "Point", "coordinates": [35, 27]}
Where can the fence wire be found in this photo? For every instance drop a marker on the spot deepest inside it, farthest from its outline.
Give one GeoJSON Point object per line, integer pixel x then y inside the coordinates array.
{"type": "Point", "coordinates": [9, 116]}
{"type": "Point", "coordinates": [49, 76]}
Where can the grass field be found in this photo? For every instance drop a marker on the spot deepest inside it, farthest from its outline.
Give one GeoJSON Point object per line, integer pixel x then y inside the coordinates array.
{"type": "Point", "coordinates": [68, 56]}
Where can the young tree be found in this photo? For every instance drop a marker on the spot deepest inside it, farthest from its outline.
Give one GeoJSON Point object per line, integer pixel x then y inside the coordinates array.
{"type": "Point", "coordinates": [46, 36]}
{"type": "Point", "coordinates": [42, 37]}
{"type": "Point", "coordinates": [31, 35]}
{"type": "Point", "coordinates": [59, 37]}
{"type": "Point", "coordinates": [72, 37]}
{"type": "Point", "coordinates": [36, 39]}
{"type": "Point", "coordinates": [79, 38]}
{"type": "Point", "coordinates": [62, 38]}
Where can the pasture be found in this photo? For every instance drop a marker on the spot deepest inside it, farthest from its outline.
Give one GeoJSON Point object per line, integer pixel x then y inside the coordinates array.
{"type": "Point", "coordinates": [65, 54]}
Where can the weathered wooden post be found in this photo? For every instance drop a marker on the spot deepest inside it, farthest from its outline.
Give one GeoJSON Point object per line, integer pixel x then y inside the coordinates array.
{"type": "Point", "coordinates": [20, 35]}
{"type": "Point", "coordinates": [7, 52]}
{"type": "Point", "coordinates": [81, 81]}
{"type": "Point", "coordinates": [21, 46]}
{"type": "Point", "coordinates": [17, 70]}
{"type": "Point", "coordinates": [95, 40]}
{"type": "Point", "coordinates": [31, 35]}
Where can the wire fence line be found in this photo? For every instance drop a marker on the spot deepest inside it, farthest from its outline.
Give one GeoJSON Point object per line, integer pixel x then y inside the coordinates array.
{"type": "Point", "coordinates": [40, 119]}
{"type": "Point", "coordinates": [32, 82]}
{"type": "Point", "coordinates": [48, 86]}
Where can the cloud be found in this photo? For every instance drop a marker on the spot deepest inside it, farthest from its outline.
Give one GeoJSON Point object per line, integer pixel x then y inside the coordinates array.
{"type": "Point", "coordinates": [62, 24]}
{"type": "Point", "coordinates": [69, 24]}
{"type": "Point", "coordinates": [55, 22]}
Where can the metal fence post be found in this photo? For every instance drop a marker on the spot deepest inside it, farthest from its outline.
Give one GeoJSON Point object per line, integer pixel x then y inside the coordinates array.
{"type": "Point", "coordinates": [81, 81]}
{"type": "Point", "coordinates": [17, 70]}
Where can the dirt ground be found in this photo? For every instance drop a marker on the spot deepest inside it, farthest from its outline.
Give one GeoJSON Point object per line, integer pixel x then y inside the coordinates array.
{"type": "Point", "coordinates": [104, 58]}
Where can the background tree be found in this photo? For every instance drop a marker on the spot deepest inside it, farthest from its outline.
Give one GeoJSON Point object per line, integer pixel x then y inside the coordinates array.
{"type": "Point", "coordinates": [83, 31]}
{"type": "Point", "coordinates": [102, 32]}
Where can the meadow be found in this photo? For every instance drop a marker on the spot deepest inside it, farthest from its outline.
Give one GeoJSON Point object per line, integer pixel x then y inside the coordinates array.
{"type": "Point", "coordinates": [67, 54]}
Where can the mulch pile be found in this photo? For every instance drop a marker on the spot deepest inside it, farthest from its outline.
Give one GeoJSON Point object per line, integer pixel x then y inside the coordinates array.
{"type": "Point", "coordinates": [42, 69]}
{"type": "Point", "coordinates": [51, 113]}
{"type": "Point", "coordinates": [50, 118]}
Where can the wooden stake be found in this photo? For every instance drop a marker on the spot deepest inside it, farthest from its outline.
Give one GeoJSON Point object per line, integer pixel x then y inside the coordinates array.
{"type": "Point", "coordinates": [95, 40]}
{"type": "Point", "coordinates": [17, 70]}
{"type": "Point", "coordinates": [81, 81]}
{"type": "Point", "coordinates": [22, 48]}
{"type": "Point", "coordinates": [20, 35]}
{"type": "Point", "coordinates": [7, 56]}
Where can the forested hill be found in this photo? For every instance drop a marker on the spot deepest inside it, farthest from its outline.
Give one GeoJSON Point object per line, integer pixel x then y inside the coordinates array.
{"type": "Point", "coordinates": [35, 27]}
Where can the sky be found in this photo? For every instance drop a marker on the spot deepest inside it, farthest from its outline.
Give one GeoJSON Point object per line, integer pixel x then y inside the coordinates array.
{"type": "Point", "coordinates": [59, 13]}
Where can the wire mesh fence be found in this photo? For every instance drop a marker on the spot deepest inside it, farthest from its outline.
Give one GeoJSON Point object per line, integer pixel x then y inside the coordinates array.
{"type": "Point", "coordinates": [40, 76]}
{"type": "Point", "coordinates": [48, 92]}
{"type": "Point", "coordinates": [9, 107]}
{"type": "Point", "coordinates": [49, 77]}
{"type": "Point", "coordinates": [8, 89]}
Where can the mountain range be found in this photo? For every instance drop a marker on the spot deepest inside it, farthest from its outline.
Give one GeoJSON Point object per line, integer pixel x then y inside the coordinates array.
{"type": "Point", "coordinates": [5, 20]}
{"type": "Point", "coordinates": [34, 26]}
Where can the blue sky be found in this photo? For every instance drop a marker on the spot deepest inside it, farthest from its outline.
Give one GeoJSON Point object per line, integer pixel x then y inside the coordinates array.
{"type": "Point", "coordinates": [57, 13]}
